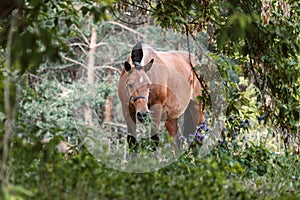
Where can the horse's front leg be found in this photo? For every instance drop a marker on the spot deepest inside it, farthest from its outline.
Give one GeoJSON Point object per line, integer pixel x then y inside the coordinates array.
{"type": "Point", "coordinates": [172, 127]}
{"type": "Point", "coordinates": [156, 112]}
{"type": "Point", "coordinates": [129, 115]}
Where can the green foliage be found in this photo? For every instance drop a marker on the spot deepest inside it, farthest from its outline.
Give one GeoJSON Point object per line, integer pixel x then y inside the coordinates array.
{"type": "Point", "coordinates": [49, 108]}
{"type": "Point", "coordinates": [41, 27]}
{"type": "Point", "coordinates": [265, 46]}
{"type": "Point", "coordinates": [183, 15]}
{"type": "Point", "coordinates": [51, 104]}
{"type": "Point", "coordinates": [46, 110]}
{"type": "Point", "coordinates": [272, 53]}
{"type": "Point", "coordinates": [40, 172]}
{"type": "Point", "coordinates": [262, 170]}
{"type": "Point", "coordinates": [40, 32]}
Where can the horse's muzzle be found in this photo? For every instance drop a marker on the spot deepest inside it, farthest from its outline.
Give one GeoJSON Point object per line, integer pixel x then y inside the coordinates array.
{"type": "Point", "coordinates": [142, 116]}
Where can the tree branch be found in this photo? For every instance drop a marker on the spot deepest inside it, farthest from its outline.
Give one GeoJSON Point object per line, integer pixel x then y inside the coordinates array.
{"type": "Point", "coordinates": [126, 28]}
{"type": "Point", "coordinates": [200, 79]}
{"type": "Point", "coordinates": [75, 61]}
{"type": "Point", "coordinates": [83, 36]}
{"type": "Point", "coordinates": [106, 67]}
{"type": "Point", "coordinates": [101, 44]}
{"type": "Point", "coordinates": [138, 6]}
{"type": "Point", "coordinates": [79, 44]}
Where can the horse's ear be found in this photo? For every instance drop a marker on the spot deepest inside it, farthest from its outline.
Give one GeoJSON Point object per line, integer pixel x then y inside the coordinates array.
{"type": "Point", "coordinates": [149, 65]}
{"type": "Point", "coordinates": [127, 66]}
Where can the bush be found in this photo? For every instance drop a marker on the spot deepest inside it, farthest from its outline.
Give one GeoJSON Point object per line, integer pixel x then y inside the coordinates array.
{"type": "Point", "coordinates": [41, 172]}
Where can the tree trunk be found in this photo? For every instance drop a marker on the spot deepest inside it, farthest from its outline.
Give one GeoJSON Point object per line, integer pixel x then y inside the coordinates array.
{"type": "Point", "coordinates": [108, 103]}
{"type": "Point", "coordinates": [8, 109]}
{"type": "Point", "coordinates": [90, 75]}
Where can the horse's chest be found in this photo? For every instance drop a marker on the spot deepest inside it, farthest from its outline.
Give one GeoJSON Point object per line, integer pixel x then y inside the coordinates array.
{"type": "Point", "coordinates": [171, 90]}
{"type": "Point", "coordinates": [173, 104]}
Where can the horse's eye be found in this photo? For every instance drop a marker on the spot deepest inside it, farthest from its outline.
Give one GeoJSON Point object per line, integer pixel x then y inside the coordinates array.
{"type": "Point", "coordinates": [130, 86]}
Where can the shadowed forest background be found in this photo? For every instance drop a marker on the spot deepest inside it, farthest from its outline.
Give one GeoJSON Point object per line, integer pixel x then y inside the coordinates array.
{"type": "Point", "coordinates": [59, 66]}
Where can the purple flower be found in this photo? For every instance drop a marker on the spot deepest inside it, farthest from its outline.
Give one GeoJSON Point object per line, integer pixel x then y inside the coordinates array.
{"type": "Point", "coordinates": [199, 137]}
{"type": "Point", "coordinates": [243, 124]}
{"type": "Point", "coordinates": [202, 138]}
{"type": "Point", "coordinates": [246, 145]}
{"type": "Point", "coordinates": [202, 127]}
{"type": "Point", "coordinates": [191, 136]}
{"type": "Point", "coordinates": [260, 118]}
{"type": "Point", "coordinates": [234, 135]}
{"type": "Point", "coordinates": [249, 122]}
{"type": "Point", "coordinates": [221, 141]}
{"type": "Point", "coordinates": [182, 138]}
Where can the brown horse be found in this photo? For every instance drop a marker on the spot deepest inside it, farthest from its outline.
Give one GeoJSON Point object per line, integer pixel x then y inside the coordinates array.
{"type": "Point", "coordinates": [160, 85]}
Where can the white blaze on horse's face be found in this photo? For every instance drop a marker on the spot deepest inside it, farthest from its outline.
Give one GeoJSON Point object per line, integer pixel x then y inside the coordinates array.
{"type": "Point", "coordinates": [141, 80]}
{"type": "Point", "coordinates": [137, 87]}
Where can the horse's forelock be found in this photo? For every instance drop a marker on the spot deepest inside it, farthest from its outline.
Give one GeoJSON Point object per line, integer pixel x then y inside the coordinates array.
{"type": "Point", "coordinates": [137, 54]}
{"type": "Point", "coordinates": [141, 54]}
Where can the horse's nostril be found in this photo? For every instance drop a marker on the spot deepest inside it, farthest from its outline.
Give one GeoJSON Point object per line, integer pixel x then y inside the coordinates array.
{"type": "Point", "coordinates": [142, 115]}
{"type": "Point", "coordinates": [139, 114]}
{"type": "Point", "coordinates": [145, 114]}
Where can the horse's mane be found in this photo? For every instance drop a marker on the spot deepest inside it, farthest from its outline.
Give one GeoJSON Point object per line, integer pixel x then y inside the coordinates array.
{"type": "Point", "coordinates": [137, 54]}
{"type": "Point", "coordinates": [142, 53]}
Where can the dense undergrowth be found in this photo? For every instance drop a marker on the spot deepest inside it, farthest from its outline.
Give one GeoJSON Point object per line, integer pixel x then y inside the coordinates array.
{"type": "Point", "coordinates": [41, 172]}
{"type": "Point", "coordinates": [252, 40]}
{"type": "Point", "coordinates": [237, 168]}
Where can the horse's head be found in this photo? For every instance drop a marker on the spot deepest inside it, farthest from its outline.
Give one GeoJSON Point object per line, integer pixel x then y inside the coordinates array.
{"type": "Point", "coordinates": [137, 88]}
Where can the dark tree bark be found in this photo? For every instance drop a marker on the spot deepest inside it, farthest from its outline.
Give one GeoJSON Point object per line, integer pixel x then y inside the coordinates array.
{"type": "Point", "coordinates": [7, 6]}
